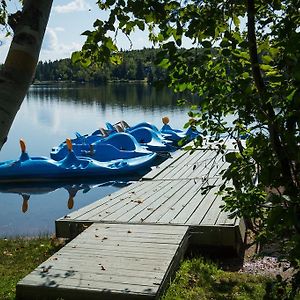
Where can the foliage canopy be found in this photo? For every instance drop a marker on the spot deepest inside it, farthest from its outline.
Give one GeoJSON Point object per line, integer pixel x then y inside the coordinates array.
{"type": "Point", "coordinates": [244, 63]}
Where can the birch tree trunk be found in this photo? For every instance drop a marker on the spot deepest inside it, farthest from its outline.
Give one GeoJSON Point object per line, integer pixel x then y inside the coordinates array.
{"type": "Point", "coordinates": [17, 73]}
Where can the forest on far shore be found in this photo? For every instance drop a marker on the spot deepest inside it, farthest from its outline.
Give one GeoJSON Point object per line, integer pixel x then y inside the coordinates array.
{"type": "Point", "coordinates": [136, 65]}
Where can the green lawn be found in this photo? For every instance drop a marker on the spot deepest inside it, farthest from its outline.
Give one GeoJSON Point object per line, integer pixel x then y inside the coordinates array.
{"type": "Point", "coordinates": [196, 278]}
{"type": "Point", "coordinates": [20, 256]}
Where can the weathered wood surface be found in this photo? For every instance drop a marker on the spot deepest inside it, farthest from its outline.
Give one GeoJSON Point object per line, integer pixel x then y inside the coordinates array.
{"type": "Point", "coordinates": [201, 164]}
{"type": "Point", "coordinates": [109, 261]}
{"type": "Point", "coordinates": [175, 192]}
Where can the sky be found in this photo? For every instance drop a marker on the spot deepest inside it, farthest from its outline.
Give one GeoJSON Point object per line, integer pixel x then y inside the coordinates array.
{"type": "Point", "coordinates": [68, 19]}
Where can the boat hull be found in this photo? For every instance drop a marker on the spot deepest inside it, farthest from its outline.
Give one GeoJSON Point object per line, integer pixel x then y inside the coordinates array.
{"type": "Point", "coordinates": [41, 169]}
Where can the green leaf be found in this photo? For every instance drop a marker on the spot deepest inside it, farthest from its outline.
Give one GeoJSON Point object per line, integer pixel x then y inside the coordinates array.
{"type": "Point", "coordinates": [225, 43]}
{"type": "Point", "coordinates": [206, 44]}
{"type": "Point", "coordinates": [141, 25]}
{"type": "Point", "coordinates": [231, 157]}
{"type": "Point", "coordinates": [267, 59]}
{"type": "Point", "coordinates": [116, 60]}
{"type": "Point", "coordinates": [98, 23]}
{"type": "Point", "coordinates": [291, 95]}
{"type": "Point", "coordinates": [226, 52]}
{"type": "Point", "coordinates": [76, 56]}
{"type": "Point", "coordinates": [182, 87]}
{"type": "Point", "coordinates": [87, 32]}
{"type": "Point", "coordinates": [165, 63]}
{"type": "Point", "coordinates": [236, 20]}
{"type": "Point", "coordinates": [265, 68]}
{"type": "Point", "coordinates": [85, 62]}
{"type": "Point", "coordinates": [245, 75]}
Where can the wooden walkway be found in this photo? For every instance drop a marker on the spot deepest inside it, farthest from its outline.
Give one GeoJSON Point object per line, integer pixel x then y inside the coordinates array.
{"type": "Point", "coordinates": [139, 233]}
{"type": "Point", "coordinates": [109, 262]}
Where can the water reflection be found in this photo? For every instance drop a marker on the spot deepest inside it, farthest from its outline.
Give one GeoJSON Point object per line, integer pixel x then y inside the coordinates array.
{"type": "Point", "coordinates": [121, 94]}
{"type": "Point", "coordinates": [26, 190]}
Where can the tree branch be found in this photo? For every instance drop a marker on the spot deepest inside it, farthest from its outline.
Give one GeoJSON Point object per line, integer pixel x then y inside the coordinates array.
{"type": "Point", "coordinates": [287, 168]}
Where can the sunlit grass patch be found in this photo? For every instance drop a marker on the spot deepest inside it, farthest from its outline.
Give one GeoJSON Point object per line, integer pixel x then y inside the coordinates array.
{"type": "Point", "coordinates": [20, 256]}
{"type": "Point", "coordinates": [198, 279]}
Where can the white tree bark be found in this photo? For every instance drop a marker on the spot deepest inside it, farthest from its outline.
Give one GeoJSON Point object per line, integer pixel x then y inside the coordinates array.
{"type": "Point", "coordinates": [18, 70]}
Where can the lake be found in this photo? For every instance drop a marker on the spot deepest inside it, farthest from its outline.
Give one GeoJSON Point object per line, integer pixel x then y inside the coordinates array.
{"type": "Point", "coordinates": [50, 114]}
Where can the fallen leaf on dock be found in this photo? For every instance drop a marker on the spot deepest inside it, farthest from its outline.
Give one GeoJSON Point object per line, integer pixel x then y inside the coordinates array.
{"type": "Point", "coordinates": [46, 269]}
{"type": "Point", "coordinates": [139, 201]}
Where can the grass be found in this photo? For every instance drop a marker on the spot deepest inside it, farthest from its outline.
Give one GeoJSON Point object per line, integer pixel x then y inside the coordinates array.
{"type": "Point", "coordinates": [18, 257]}
{"type": "Point", "coordinates": [198, 279]}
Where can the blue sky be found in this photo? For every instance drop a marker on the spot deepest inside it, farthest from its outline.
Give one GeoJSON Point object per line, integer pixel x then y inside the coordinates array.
{"type": "Point", "coordinates": [68, 19]}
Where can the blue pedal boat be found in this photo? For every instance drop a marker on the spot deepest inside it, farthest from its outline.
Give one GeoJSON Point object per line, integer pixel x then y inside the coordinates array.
{"type": "Point", "coordinates": [177, 135]}
{"type": "Point", "coordinates": [41, 169]}
{"type": "Point", "coordinates": [147, 136]}
{"type": "Point", "coordinates": [166, 133]}
{"type": "Point", "coordinates": [115, 146]}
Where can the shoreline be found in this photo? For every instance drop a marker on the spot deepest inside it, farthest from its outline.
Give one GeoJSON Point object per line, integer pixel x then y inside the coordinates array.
{"type": "Point", "coordinates": [145, 82]}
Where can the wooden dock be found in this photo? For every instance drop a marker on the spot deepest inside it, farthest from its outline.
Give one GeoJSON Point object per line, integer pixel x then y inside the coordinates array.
{"type": "Point", "coordinates": [129, 243]}
{"type": "Point", "coordinates": [109, 262]}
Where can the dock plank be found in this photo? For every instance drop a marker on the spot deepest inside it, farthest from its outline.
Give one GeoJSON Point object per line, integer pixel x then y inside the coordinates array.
{"type": "Point", "coordinates": [141, 213]}
{"type": "Point", "coordinates": [200, 201]}
{"type": "Point", "coordinates": [107, 203]}
{"type": "Point", "coordinates": [167, 163]}
{"type": "Point", "coordinates": [158, 188]}
{"type": "Point", "coordinates": [209, 208]}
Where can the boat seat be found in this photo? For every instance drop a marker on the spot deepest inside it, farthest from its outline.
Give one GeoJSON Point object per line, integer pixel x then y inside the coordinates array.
{"type": "Point", "coordinates": [118, 128]}
{"type": "Point", "coordinates": [103, 131]}
{"type": "Point", "coordinates": [124, 124]}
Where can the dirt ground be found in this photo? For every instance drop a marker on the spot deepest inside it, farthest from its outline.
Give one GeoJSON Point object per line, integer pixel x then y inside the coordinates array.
{"type": "Point", "coordinates": [264, 260]}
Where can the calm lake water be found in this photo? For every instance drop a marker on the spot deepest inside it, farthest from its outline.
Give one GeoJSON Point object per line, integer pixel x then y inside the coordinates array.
{"type": "Point", "coordinates": [50, 114]}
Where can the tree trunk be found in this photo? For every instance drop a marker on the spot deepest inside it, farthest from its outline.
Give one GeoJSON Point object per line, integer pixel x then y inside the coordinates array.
{"type": "Point", "coordinates": [18, 70]}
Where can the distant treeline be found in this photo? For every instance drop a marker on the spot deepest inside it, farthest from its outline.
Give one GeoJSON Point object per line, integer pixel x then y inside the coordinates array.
{"type": "Point", "coordinates": [136, 65]}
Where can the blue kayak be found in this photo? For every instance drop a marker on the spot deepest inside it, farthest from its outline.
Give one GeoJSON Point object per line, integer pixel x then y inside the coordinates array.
{"type": "Point", "coordinates": [115, 146]}
{"type": "Point", "coordinates": [39, 169]}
